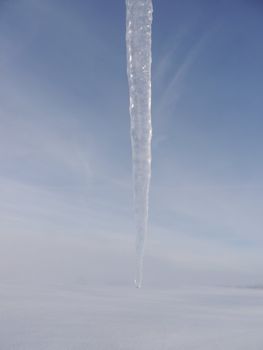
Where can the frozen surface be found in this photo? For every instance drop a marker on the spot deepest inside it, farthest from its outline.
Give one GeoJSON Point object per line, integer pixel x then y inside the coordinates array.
{"type": "Point", "coordinates": [60, 318]}
{"type": "Point", "coordinates": [138, 38]}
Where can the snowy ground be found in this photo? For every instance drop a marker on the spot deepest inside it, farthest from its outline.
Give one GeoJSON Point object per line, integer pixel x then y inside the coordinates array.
{"type": "Point", "coordinates": [61, 318]}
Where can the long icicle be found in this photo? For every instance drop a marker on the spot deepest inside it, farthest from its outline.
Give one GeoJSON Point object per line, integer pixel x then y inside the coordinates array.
{"type": "Point", "coordinates": [139, 59]}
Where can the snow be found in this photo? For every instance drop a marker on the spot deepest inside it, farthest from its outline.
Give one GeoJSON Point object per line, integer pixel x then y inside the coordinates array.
{"type": "Point", "coordinates": [85, 317]}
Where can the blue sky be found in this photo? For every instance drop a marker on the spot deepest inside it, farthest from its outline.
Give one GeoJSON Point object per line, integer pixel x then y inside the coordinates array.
{"type": "Point", "coordinates": [65, 145]}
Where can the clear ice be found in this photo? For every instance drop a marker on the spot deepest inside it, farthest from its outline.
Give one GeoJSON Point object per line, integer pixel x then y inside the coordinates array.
{"type": "Point", "coordinates": [139, 59]}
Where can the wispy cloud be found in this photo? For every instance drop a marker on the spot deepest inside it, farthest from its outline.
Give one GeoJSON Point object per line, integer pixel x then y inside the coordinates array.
{"type": "Point", "coordinates": [175, 65]}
